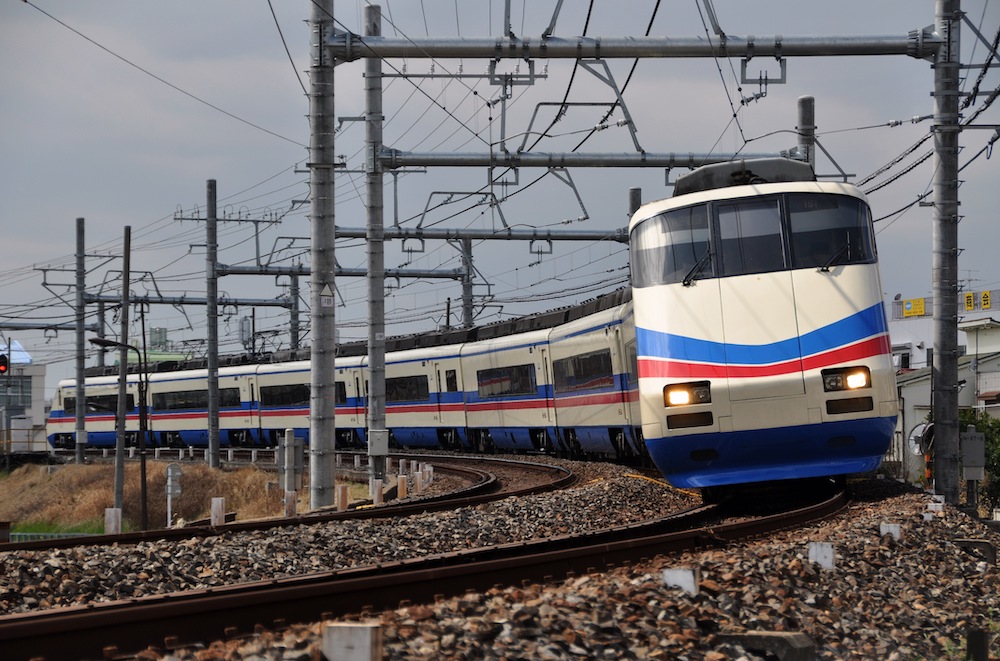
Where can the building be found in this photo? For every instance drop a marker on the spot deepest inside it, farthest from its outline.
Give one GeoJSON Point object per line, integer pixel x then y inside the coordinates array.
{"type": "Point", "coordinates": [911, 332]}
{"type": "Point", "coordinates": [22, 402]}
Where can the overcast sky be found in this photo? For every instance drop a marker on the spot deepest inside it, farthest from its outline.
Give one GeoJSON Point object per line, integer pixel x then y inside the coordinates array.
{"type": "Point", "coordinates": [119, 111]}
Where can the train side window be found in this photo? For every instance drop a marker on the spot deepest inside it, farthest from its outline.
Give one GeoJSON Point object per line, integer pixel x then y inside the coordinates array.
{"type": "Point", "coordinates": [99, 404]}
{"type": "Point", "coordinates": [666, 248]}
{"type": "Point", "coordinates": [407, 389]}
{"type": "Point", "coordinates": [829, 229]}
{"type": "Point", "coordinates": [341, 392]}
{"type": "Point", "coordinates": [502, 381]}
{"type": "Point", "coordinates": [229, 398]}
{"type": "Point", "coordinates": [451, 380]}
{"type": "Point", "coordinates": [195, 400]}
{"type": "Point", "coordinates": [631, 362]}
{"type": "Point", "coordinates": [590, 371]}
{"type": "Point", "coordinates": [750, 237]}
{"type": "Point", "coordinates": [290, 394]}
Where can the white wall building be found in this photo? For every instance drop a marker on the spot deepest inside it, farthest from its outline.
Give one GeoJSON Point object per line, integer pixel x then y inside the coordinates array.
{"type": "Point", "coordinates": [911, 332]}
{"type": "Point", "coordinates": [22, 402]}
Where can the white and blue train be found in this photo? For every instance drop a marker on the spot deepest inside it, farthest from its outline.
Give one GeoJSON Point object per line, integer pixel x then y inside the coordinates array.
{"type": "Point", "coordinates": [752, 346]}
{"type": "Point", "coordinates": [763, 345]}
{"type": "Point", "coordinates": [558, 382]}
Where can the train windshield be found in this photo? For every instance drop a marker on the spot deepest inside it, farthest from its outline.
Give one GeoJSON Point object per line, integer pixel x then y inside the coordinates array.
{"type": "Point", "coordinates": [668, 247]}
{"type": "Point", "coordinates": [750, 237]}
{"type": "Point", "coordinates": [753, 235]}
{"type": "Point", "coordinates": [827, 230]}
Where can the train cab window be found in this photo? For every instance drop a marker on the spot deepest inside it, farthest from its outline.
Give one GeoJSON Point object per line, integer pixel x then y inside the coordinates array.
{"type": "Point", "coordinates": [671, 247]}
{"type": "Point", "coordinates": [407, 389]}
{"type": "Point", "coordinates": [827, 230]}
{"type": "Point", "coordinates": [750, 237]}
{"type": "Point", "coordinates": [451, 380]}
{"type": "Point", "coordinates": [341, 393]}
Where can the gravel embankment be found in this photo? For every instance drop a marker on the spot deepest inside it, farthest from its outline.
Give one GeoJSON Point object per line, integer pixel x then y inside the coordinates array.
{"type": "Point", "coordinates": [31, 580]}
{"type": "Point", "coordinates": [915, 598]}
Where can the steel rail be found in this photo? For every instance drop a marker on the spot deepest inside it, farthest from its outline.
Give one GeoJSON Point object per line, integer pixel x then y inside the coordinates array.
{"type": "Point", "coordinates": [217, 613]}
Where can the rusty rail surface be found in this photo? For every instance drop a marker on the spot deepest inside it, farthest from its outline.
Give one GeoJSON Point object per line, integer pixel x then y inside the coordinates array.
{"type": "Point", "coordinates": [218, 613]}
{"type": "Point", "coordinates": [484, 487]}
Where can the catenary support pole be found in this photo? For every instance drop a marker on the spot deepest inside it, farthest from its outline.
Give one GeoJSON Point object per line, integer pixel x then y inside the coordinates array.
{"type": "Point", "coordinates": [122, 372]}
{"type": "Point", "coordinates": [81, 315]}
{"type": "Point", "coordinates": [944, 263]}
{"type": "Point", "coordinates": [807, 130]}
{"type": "Point", "coordinates": [293, 313]}
{"type": "Point", "coordinates": [378, 435]}
{"type": "Point", "coordinates": [468, 273]}
{"type": "Point", "coordinates": [212, 316]}
{"type": "Point", "coordinates": [322, 398]}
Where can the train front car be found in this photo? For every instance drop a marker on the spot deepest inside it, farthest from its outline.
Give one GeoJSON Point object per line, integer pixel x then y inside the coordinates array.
{"type": "Point", "coordinates": [763, 347]}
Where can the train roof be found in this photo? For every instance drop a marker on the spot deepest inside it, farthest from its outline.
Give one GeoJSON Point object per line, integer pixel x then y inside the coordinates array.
{"type": "Point", "coordinates": [656, 207]}
{"type": "Point", "coordinates": [743, 173]}
{"type": "Point", "coordinates": [445, 337]}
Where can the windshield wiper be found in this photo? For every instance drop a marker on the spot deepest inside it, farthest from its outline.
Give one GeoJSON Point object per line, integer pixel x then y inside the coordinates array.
{"type": "Point", "coordinates": [843, 250]}
{"type": "Point", "coordinates": [697, 268]}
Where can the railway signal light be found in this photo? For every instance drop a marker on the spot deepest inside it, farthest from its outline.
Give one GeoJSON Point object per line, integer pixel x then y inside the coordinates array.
{"type": "Point", "coordinates": [4, 364]}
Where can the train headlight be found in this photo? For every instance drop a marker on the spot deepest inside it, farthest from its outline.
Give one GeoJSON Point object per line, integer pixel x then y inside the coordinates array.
{"type": "Point", "coordinates": [683, 394]}
{"type": "Point", "coordinates": [846, 378]}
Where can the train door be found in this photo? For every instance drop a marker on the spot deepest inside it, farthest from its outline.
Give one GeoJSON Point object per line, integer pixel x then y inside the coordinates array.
{"type": "Point", "coordinates": [546, 438]}
{"type": "Point", "coordinates": [253, 409]}
{"type": "Point", "coordinates": [450, 403]}
{"type": "Point", "coordinates": [550, 405]}
{"type": "Point", "coordinates": [624, 356]}
{"type": "Point", "coordinates": [439, 390]}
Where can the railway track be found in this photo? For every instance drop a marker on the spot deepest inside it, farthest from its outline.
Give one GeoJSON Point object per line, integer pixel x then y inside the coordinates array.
{"type": "Point", "coordinates": [181, 619]}
{"type": "Point", "coordinates": [483, 486]}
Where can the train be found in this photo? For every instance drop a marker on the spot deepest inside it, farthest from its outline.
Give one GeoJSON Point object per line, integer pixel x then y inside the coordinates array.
{"type": "Point", "coordinates": [750, 346]}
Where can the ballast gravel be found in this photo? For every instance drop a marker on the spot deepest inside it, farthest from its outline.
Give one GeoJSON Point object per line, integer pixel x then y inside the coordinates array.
{"type": "Point", "coordinates": [915, 597]}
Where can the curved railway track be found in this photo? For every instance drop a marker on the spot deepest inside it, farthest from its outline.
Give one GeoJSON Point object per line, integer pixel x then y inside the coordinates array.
{"type": "Point", "coordinates": [184, 618]}
{"type": "Point", "coordinates": [483, 486]}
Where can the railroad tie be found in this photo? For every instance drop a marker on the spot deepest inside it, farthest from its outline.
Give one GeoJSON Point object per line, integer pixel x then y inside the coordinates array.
{"type": "Point", "coordinates": [786, 645]}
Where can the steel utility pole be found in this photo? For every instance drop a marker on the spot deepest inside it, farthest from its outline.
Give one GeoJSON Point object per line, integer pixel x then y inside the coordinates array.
{"type": "Point", "coordinates": [378, 435]}
{"type": "Point", "coordinates": [944, 262]}
{"type": "Point", "coordinates": [322, 398]}
{"type": "Point", "coordinates": [122, 373]}
{"type": "Point", "coordinates": [212, 313]}
{"type": "Point", "coordinates": [81, 316]}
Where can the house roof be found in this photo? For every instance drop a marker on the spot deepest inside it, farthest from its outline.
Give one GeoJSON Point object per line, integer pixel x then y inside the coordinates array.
{"type": "Point", "coordinates": [912, 376]}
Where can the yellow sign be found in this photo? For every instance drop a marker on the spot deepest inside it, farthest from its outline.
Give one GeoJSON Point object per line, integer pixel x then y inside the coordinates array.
{"type": "Point", "coordinates": [970, 301]}
{"type": "Point", "coordinates": [984, 300]}
{"type": "Point", "coordinates": [913, 307]}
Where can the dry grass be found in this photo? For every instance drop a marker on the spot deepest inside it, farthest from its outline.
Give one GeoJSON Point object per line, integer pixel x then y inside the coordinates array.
{"type": "Point", "coordinates": [74, 497]}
